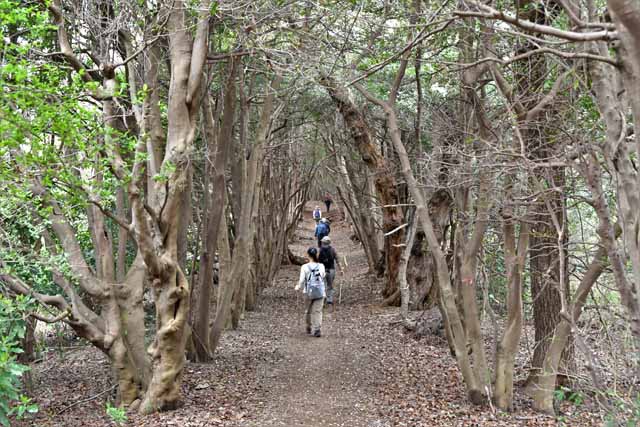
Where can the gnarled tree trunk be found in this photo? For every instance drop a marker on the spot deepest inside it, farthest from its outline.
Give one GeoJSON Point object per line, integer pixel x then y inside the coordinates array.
{"type": "Point", "coordinates": [384, 179]}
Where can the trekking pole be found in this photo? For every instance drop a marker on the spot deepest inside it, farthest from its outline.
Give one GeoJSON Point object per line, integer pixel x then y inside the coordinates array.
{"type": "Point", "coordinates": [340, 291]}
{"type": "Point", "coordinates": [298, 305]}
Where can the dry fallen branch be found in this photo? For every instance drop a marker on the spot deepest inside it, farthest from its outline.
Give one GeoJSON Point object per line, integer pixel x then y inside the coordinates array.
{"type": "Point", "coordinates": [88, 399]}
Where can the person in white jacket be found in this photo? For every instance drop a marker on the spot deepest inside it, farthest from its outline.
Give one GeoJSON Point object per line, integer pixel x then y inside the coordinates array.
{"type": "Point", "coordinates": [317, 214]}
{"type": "Point", "coordinates": [312, 276]}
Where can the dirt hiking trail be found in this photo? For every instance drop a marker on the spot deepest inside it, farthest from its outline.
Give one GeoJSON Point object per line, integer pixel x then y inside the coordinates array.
{"type": "Point", "coordinates": [323, 381]}
{"type": "Point", "coordinates": [365, 370]}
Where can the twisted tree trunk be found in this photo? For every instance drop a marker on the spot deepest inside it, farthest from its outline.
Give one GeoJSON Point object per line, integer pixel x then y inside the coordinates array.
{"type": "Point", "coordinates": [384, 179]}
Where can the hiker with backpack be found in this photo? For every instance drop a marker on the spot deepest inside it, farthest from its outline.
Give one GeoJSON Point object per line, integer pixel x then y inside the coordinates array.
{"type": "Point", "coordinates": [312, 275]}
{"type": "Point", "coordinates": [328, 200]}
{"type": "Point", "coordinates": [329, 258]}
{"type": "Point", "coordinates": [322, 230]}
{"type": "Point", "coordinates": [317, 214]}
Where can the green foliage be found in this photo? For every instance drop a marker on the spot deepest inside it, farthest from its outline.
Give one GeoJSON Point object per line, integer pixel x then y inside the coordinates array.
{"type": "Point", "coordinates": [12, 330]}
{"type": "Point", "coordinates": [117, 415]}
{"type": "Point", "coordinates": [565, 394]}
{"type": "Point", "coordinates": [496, 269]}
{"type": "Point", "coordinates": [624, 413]}
{"type": "Point", "coordinates": [52, 133]}
{"type": "Point", "coordinates": [213, 9]}
{"type": "Point", "coordinates": [23, 251]}
{"type": "Point", "coordinates": [167, 169]}
{"type": "Point", "coordinates": [47, 128]}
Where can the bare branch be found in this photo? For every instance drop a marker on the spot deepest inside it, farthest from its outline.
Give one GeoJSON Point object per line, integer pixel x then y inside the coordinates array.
{"type": "Point", "coordinates": [46, 319]}
{"type": "Point", "coordinates": [540, 51]}
{"type": "Point", "coordinates": [225, 56]}
{"type": "Point", "coordinates": [491, 13]}
{"type": "Point", "coordinates": [507, 90]}
{"type": "Point", "coordinates": [135, 54]}
{"type": "Point", "coordinates": [20, 287]}
{"type": "Point", "coordinates": [55, 8]}
{"type": "Point", "coordinates": [395, 230]}
{"type": "Point", "coordinates": [120, 221]}
{"type": "Point", "coordinates": [548, 98]}
{"type": "Point", "coordinates": [572, 14]}
{"type": "Point", "coordinates": [417, 40]}
{"type": "Point", "coordinates": [69, 242]}
{"type": "Point", "coordinates": [199, 51]}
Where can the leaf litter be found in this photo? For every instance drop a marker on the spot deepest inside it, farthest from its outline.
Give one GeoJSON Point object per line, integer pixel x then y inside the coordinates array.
{"type": "Point", "coordinates": [365, 371]}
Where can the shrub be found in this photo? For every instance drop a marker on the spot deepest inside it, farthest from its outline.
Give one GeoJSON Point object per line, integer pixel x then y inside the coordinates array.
{"type": "Point", "coordinates": [12, 330]}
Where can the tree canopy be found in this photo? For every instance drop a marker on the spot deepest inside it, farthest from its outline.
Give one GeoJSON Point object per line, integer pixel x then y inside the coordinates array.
{"type": "Point", "coordinates": [157, 159]}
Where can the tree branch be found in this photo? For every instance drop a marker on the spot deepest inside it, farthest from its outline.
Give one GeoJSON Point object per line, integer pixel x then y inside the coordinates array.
{"type": "Point", "coordinates": [120, 221]}
{"type": "Point", "coordinates": [199, 51]}
{"type": "Point", "coordinates": [72, 249]}
{"type": "Point", "coordinates": [46, 319]}
{"type": "Point", "coordinates": [19, 287]}
{"type": "Point", "coordinates": [507, 90]}
{"type": "Point", "coordinates": [418, 39]}
{"type": "Point", "coordinates": [55, 8]}
{"type": "Point", "coordinates": [543, 50]}
{"type": "Point", "coordinates": [548, 98]}
{"type": "Point", "coordinates": [491, 13]}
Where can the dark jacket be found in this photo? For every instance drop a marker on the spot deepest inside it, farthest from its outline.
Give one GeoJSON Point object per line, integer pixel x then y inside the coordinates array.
{"type": "Point", "coordinates": [328, 257]}
{"type": "Point", "coordinates": [322, 230]}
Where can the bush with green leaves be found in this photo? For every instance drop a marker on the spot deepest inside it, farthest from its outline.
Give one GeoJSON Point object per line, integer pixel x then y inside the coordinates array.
{"type": "Point", "coordinates": [117, 415]}
{"type": "Point", "coordinates": [568, 395]}
{"type": "Point", "coordinates": [12, 330]}
{"type": "Point", "coordinates": [624, 411]}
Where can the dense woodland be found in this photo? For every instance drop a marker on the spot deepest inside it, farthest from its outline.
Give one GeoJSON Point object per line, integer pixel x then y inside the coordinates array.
{"type": "Point", "coordinates": [158, 161]}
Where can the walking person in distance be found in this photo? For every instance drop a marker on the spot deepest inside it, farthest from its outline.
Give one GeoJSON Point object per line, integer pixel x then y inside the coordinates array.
{"type": "Point", "coordinates": [328, 200]}
{"type": "Point", "coordinates": [312, 276]}
{"type": "Point", "coordinates": [317, 214]}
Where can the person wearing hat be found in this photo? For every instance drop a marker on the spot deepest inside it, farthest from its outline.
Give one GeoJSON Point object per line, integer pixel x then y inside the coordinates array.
{"type": "Point", "coordinates": [329, 258]}
{"type": "Point", "coordinates": [322, 230]}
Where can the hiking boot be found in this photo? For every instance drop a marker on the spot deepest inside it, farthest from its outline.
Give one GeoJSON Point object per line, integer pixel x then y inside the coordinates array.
{"type": "Point", "coordinates": [317, 334]}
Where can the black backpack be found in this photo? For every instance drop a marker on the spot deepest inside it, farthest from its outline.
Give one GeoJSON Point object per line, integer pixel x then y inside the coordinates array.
{"type": "Point", "coordinates": [327, 258]}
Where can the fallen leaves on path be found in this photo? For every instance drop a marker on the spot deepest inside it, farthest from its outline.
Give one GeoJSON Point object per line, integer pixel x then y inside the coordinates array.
{"type": "Point", "coordinates": [366, 371]}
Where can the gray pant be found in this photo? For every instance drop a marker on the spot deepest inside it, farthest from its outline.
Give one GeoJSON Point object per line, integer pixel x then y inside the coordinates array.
{"type": "Point", "coordinates": [314, 314]}
{"type": "Point", "coordinates": [330, 277]}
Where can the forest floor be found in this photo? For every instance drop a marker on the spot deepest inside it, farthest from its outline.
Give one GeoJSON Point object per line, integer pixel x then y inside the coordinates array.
{"type": "Point", "coordinates": [365, 371]}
